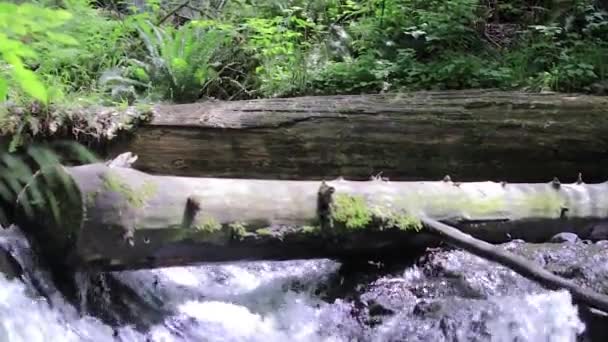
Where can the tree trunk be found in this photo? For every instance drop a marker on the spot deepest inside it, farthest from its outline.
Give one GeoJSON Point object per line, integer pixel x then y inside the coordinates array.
{"type": "Point", "coordinates": [114, 217]}
{"type": "Point", "coordinates": [471, 135]}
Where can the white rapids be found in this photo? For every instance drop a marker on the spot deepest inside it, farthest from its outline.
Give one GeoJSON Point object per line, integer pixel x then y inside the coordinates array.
{"type": "Point", "coordinates": [257, 301]}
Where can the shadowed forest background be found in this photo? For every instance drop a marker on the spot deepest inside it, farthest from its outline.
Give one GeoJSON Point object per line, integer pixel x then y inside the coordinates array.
{"type": "Point", "coordinates": [57, 55]}
{"type": "Point", "coordinates": [220, 123]}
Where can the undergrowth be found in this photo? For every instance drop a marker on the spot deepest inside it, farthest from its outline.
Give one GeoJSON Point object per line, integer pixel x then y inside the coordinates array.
{"type": "Point", "coordinates": [74, 53]}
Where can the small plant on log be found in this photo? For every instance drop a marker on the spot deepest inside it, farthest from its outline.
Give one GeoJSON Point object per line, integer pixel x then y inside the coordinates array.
{"type": "Point", "coordinates": [311, 229]}
{"type": "Point", "coordinates": [237, 230]}
{"type": "Point", "coordinates": [264, 232]}
{"type": "Point", "coordinates": [207, 224]}
{"type": "Point", "coordinates": [350, 211]}
{"type": "Point", "coordinates": [353, 213]}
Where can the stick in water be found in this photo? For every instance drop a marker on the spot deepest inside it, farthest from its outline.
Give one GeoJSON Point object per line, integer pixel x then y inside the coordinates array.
{"type": "Point", "coordinates": [522, 266]}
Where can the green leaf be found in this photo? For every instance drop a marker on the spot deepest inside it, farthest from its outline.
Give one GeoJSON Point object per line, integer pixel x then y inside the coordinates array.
{"type": "Point", "coordinates": [3, 89]}
{"type": "Point", "coordinates": [62, 38]}
{"type": "Point", "coordinates": [29, 82]}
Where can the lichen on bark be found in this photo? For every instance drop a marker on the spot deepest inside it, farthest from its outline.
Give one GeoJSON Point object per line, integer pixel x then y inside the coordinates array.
{"type": "Point", "coordinates": [137, 198]}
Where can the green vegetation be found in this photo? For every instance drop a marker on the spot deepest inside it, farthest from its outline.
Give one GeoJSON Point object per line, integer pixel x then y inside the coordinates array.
{"type": "Point", "coordinates": [58, 52]}
{"type": "Point", "coordinates": [53, 188]}
{"type": "Point", "coordinates": [264, 232]}
{"type": "Point", "coordinates": [353, 213]}
{"type": "Point", "coordinates": [207, 224]}
{"type": "Point", "coordinates": [315, 230]}
{"type": "Point", "coordinates": [404, 221]}
{"type": "Point", "coordinates": [350, 211]}
{"type": "Point", "coordinates": [237, 230]}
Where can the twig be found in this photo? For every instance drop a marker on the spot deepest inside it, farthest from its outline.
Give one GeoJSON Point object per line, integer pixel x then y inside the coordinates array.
{"type": "Point", "coordinates": [522, 266]}
{"type": "Point", "coordinates": [490, 39]}
{"type": "Point", "coordinates": [172, 12]}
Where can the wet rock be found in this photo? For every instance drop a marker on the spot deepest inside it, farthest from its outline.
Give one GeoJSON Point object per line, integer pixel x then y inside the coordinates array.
{"type": "Point", "coordinates": [459, 273]}
{"type": "Point", "coordinates": [585, 264]}
{"type": "Point", "coordinates": [9, 266]}
{"type": "Point", "coordinates": [565, 238]}
{"type": "Point", "coordinates": [117, 304]}
{"type": "Point", "coordinates": [427, 309]}
{"type": "Point", "coordinates": [599, 88]}
{"type": "Point", "coordinates": [599, 232]}
{"type": "Point", "coordinates": [445, 319]}
{"type": "Point", "coordinates": [389, 294]}
{"type": "Point", "coordinates": [452, 295]}
{"type": "Point", "coordinates": [376, 309]}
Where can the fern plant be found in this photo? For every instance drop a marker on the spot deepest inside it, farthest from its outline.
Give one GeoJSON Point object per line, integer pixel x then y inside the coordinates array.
{"type": "Point", "coordinates": [181, 63]}
{"type": "Point", "coordinates": [18, 170]}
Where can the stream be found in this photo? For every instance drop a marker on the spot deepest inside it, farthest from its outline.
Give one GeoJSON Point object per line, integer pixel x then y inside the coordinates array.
{"type": "Point", "coordinates": [445, 295]}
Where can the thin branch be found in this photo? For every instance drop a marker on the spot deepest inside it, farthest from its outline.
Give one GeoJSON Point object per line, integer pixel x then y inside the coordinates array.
{"type": "Point", "coordinates": [522, 266]}
{"type": "Point", "coordinates": [172, 12]}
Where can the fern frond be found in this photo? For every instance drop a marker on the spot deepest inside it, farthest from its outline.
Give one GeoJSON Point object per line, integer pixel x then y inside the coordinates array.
{"type": "Point", "coordinates": [18, 171]}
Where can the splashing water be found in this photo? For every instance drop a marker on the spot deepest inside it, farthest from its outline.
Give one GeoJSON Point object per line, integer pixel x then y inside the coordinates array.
{"type": "Point", "coordinates": [549, 317]}
{"type": "Point", "coordinates": [275, 301]}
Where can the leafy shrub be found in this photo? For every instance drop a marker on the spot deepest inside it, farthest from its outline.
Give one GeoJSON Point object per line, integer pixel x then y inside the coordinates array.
{"type": "Point", "coordinates": [283, 48]}
{"type": "Point", "coordinates": [349, 77]}
{"type": "Point", "coordinates": [103, 43]}
{"type": "Point", "coordinates": [20, 24]}
{"type": "Point", "coordinates": [277, 45]}
{"type": "Point", "coordinates": [181, 63]}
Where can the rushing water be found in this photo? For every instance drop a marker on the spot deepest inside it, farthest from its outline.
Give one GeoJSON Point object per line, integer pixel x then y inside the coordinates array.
{"type": "Point", "coordinates": [448, 296]}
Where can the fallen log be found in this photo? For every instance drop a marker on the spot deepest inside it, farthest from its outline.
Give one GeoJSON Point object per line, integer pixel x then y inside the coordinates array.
{"type": "Point", "coordinates": [115, 217]}
{"type": "Point", "coordinates": [517, 263]}
{"type": "Point", "coordinates": [474, 134]}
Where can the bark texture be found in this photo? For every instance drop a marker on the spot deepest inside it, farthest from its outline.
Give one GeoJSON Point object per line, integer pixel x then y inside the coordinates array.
{"type": "Point", "coordinates": [471, 135]}
{"type": "Point", "coordinates": [114, 217]}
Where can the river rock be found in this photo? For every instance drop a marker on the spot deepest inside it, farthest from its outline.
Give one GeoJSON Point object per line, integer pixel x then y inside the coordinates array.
{"type": "Point", "coordinates": [565, 238]}
{"type": "Point", "coordinates": [451, 295]}
{"type": "Point", "coordinates": [8, 265]}
{"type": "Point", "coordinates": [599, 88]}
{"type": "Point", "coordinates": [599, 232]}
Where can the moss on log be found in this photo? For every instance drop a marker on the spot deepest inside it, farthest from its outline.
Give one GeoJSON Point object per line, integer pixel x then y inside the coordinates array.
{"type": "Point", "coordinates": [412, 136]}
{"type": "Point", "coordinates": [116, 217]}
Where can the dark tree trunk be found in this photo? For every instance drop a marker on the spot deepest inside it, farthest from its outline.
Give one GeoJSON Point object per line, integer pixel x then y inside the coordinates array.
{"type": "Point", "coordinates": [470, 135]}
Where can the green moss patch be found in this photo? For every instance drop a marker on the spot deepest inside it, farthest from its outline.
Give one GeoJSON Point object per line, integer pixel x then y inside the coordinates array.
{"type": "Point", "coordinates": [353, 213]}
{"type": "Point", "coordinates": [485, 205]}
{"type": "Point", "coordinates": [350, 211]}
{"type": "Point", "coordinates": [439, 204]}
{"type": "Point", "coordinates": [237, 230]}
{"type": "Point", "coordinates": [545, 203]}
{"type": "Point", "coordinates": [311, 229]}
{"type": "Point", "coordinates": [404, 221]}
{"type": "Point", "coordinates": [207, 224]}
{"type": "Point", "coordinates": [264, 232]}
